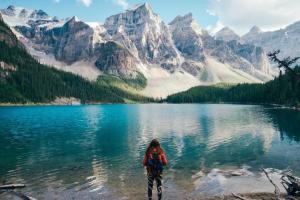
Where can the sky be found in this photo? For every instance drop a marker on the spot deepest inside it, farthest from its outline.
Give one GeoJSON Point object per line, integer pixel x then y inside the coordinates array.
{"type": "Point", "coordinates": [240, 15]}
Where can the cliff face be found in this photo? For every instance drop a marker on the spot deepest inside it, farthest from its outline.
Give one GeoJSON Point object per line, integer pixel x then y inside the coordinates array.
{"type": "Point", "coordinates": [186, 34]}
{"type": "Point", "coordinates": [287, 39]}
{"type": "Point", "coordinates": [69, 43]}
{"type": "Point", "coordinates": [197, 45]}
{"type": "Point", "coordinates": [144, 34]}
{"type": "Point", "coordinates": [114, 59]}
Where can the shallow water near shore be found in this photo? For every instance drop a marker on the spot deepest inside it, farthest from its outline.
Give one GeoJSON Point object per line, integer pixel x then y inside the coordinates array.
{"type": "Point", "coordinates": [95, 151]}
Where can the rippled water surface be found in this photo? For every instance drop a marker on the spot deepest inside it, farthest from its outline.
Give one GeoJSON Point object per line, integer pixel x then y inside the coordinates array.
{"type": "Point", "coordinates": [95, 152]}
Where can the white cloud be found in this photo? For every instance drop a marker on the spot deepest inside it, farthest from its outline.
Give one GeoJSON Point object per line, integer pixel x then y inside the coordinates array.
{"type": "Point", "coordinates": [241, 15]}
{"type": "Point", "coordinates": [87, 3]}
{"type": "Point", "coordinates": [123, 3]}
{"type": "Point", "coordinates": [56, 1]}
{"type": "Point", "coordinates": [214, 29]}
{"type": "Point", "coordinates": [210, 12]}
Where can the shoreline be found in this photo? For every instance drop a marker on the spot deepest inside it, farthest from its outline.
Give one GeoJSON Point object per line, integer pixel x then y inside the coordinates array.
{"type": "Point", "coordinates": [110, 103]}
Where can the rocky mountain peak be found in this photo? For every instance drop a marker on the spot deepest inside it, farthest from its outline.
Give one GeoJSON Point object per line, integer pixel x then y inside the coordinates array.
{"type": "Point", "coordinates": [143, 32]}
{"type": "Point", "coordinates": [253, 33]}
{"type": "Point", "coordinates": [187, 22]}
{"type": "Point", "coordinates": [24, 13]}
{"type": "Point", "coordinates": [75, 22]}
{"type": "Point", "coordinates": [39, 14]}
{"type": "Point", "coordinates": [10, 10]}
{"type": "Point", "coordinates": [74, 19]}
{"type": "Point", "coordinates": [186, 35]}
{"type": "Point", "coordinates": [143, 7]}
{"type": "Point", "coordinates": [255, 30]}
{"type": "Point", "coordinates": [142, 11]}
{"type": "Point", "coordinates": [226, 34]}
{"type": "Point", "coordinates": [295, 26]}
{"type": "Point", "coordinates": [146, 6]}
{"type": "Point", "coordinates": [11, 7]}
{"type": "Point", "coordinates": [186, 18]}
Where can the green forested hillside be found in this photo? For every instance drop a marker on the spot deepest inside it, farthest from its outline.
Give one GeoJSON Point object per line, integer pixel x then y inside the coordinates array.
{"type": "Point", "coordinates": [28, 81]}
{"type": "Point", "coordinates": [282, 90]}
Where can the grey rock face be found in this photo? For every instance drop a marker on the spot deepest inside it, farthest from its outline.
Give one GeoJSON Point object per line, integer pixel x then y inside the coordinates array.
{"type": "Point", "coordinates": [256, 56]}
{"type": "Point", "coordinates": [187, 37]}
{"type": "Point", "coordinates": [70, 43]}
{"type": "Point", "coordinates": [24, 13]}
{"type": "Point", "coordinates": [196, 44]}
{"type": "Point", "coordinates": [143, 33]}
{"type": "Point", "coordinates": [74, 41]}
{"type": "Point", "coordinates": [227, 34]}
{"type": "Point", "coordinates": [245, 57]}
{"type": "Point", "coordinates": [252, 34]}
{"type": "Point", "coordinates": [39, 14]}
{"type": "Point", "coordinates": [113, 58]}
{"type": "Point", "coordinates": [9, 11]}
{"type": "Point", "coordinates": [287, 40]}
{"type": "Point", "coordinates": [192, 67]}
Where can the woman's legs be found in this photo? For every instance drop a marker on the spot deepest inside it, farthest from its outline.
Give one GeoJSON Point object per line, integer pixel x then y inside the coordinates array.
{"type": "Point", "coordinates": [150, 187]}
{"type": "Point", "coordinates": [158, 180]}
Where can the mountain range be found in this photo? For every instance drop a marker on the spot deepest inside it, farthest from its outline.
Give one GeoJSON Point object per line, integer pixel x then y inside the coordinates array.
{"type": "Point", "coordinates": [172, 57]}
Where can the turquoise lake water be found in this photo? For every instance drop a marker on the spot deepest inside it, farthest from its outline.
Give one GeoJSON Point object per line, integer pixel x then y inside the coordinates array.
{"type": "Point", "coordinates": [95, 152]}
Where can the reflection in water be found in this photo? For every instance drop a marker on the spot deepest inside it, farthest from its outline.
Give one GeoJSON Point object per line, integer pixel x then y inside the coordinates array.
{"type": "Point", "coordinates": [287, 122]}
{"type": "Point", "coordinates": [96, 151]}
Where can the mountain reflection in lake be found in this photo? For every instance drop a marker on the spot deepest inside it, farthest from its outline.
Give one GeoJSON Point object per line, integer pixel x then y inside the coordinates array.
{"type": "Point", "coordinates": [95, 152]}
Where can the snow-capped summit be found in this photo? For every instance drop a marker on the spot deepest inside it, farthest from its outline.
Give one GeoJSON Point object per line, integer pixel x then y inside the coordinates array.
{"type": "Point", "coordinates": [227, 34]}
{"type": "Point", "coordinates": [73, 20]}
{"type": "Point", "coordinates": [39, 14]}
{"type": "Point", "coordinates": [18, 16]}
{"type": "Point", "coordinates": [9, 11]}
{"type": "Point", "coordinates": [144, 34]}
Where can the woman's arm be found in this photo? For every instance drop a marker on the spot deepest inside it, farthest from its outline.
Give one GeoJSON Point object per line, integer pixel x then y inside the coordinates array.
{"type": "Point", "coordinates": [145, 160]}
{"type": "Point", "coordinates": [164, 159]}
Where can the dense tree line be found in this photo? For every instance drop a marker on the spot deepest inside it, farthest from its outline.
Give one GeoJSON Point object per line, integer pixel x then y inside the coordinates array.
{"type": "Point", "coordinates": [34, 82]}
{"type": "Point", "coordinates": [284, 90]}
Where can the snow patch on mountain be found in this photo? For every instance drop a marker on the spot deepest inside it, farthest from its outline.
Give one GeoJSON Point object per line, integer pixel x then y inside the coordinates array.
{"type": "Point", "coordinates": [161, 83]}
{"type": "Point", "coordinates": [18, 16]}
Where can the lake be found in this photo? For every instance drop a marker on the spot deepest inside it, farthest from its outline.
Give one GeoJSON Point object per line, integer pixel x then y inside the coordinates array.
{"type": "Point", "coordinates": [95, 151]}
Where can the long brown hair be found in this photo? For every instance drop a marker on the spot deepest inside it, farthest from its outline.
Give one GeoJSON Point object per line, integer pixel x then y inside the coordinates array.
{"type": "Point", "coordinates": [154, 144]}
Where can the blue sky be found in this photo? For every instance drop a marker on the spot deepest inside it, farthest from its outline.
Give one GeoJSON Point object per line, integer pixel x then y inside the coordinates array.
{"type": "Point", "coordinates": [98, 10]}
{"type": "Point", "coordinates": [240, 15]}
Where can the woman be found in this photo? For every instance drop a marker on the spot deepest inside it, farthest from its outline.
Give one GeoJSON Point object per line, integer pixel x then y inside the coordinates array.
{"type": "Point", "coordinates": [154, 160]}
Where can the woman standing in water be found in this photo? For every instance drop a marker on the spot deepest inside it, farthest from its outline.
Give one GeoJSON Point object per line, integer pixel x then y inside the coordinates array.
{"type": "Point", "coordinates": [154, 161]}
